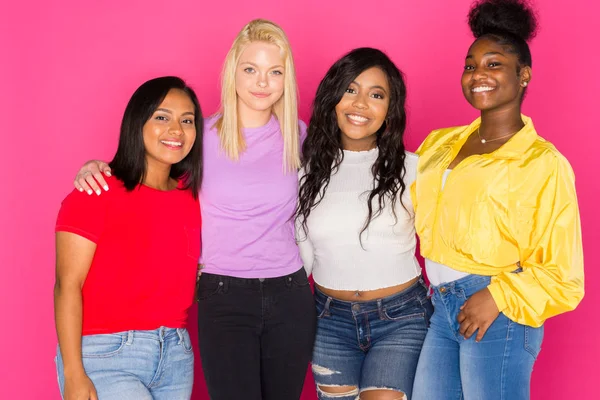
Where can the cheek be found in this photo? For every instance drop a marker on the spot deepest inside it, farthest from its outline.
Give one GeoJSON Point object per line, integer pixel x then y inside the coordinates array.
{"type": "Point", "coordinates": [241, 82]}
{"type": "Point", "coordinates": [277, 83]}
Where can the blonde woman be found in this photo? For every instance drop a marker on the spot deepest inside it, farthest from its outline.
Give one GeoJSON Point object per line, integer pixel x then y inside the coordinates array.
{"type": "Point", "coordinates": [256, 312]}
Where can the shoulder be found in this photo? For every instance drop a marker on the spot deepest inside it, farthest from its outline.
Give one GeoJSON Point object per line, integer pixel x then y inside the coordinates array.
{"type": "Point", "coordinates": [302, 128]}
{"type": "Point", "coordinates": [82, 199]}
{"type": "Point", "coordinates": [439, 137]}
{"type": "Point", "coordinates": [210, 122]}
{"type": "Point", "coordinates": [544, 155]}
{"type": "Point", "coordinates": [410, 159]}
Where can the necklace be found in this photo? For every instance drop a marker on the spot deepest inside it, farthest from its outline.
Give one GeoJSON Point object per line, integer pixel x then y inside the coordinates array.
{"type": "Point", "coordinates": [484, 141]}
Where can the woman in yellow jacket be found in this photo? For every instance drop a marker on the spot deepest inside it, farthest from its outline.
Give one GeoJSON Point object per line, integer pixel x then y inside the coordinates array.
{"type": "Point", "coordinates": [497, 215]}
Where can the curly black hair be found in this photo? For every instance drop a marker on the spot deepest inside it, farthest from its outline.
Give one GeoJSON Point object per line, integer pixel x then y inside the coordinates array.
{"type": "Point", "coordinates": [322, 150]}
{"type": "Point", "coordinates": [509, 23]}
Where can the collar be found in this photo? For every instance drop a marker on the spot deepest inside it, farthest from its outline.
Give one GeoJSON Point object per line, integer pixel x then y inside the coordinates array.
{"type": "Point", "coordinates": [513, 149]}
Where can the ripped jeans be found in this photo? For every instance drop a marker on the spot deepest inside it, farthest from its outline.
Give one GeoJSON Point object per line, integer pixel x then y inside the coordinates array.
{"type": "Point", "coordinates": [370, 345]}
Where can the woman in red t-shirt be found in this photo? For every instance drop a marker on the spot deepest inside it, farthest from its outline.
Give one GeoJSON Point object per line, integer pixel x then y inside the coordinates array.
{"type": "Point", "coordinates": [125, 274]}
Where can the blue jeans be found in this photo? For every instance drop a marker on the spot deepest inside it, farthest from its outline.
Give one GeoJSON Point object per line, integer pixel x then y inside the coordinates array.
{"type": "Point", "coordinates": [451, 367]}
{"type": "Point", "coordinates": [372, 344]}
{"type": "Point", "coordinates": [137, 365]}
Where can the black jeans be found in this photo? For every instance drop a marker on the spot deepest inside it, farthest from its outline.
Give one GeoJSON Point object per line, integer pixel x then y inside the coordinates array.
{"type": "Point", "coordinates": [256, 335]}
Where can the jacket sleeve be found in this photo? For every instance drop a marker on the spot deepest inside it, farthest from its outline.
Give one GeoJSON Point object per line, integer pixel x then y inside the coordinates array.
{"type": "Point", "coordinates": [551, 278]}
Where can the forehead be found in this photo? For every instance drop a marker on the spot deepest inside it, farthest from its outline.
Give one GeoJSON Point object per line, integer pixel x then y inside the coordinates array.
{"type": "Point", "coordinates": [486, 45]}
{"type": "Point", "coordinates": [261, 53]}
{"type": "Point", "coordinates": [177, 99]}
{"type": "Point", "coordinates": [373, 76]}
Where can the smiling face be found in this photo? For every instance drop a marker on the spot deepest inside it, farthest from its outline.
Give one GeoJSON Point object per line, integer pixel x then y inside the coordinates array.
{"type": "Point", "coordinates": [170, 132]}
{"type": "Point", "coordinates": [363, 109]}
{"type": "Point", "coordinates": [492, 79]}
{"type": "Point", "coordinates": [259, 77]}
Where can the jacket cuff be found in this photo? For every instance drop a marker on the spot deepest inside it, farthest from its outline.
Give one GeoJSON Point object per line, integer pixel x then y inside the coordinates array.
{"type": "Point", "coordinates": [497, 295]}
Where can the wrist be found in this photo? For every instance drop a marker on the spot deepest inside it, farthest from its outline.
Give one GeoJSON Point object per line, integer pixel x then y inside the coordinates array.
{"type": "Point", "coordinates": [74, 372]}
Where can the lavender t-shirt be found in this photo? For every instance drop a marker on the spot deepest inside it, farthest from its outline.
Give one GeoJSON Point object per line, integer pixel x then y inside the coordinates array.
{"type": "Point", "coordinates": [247, 206]}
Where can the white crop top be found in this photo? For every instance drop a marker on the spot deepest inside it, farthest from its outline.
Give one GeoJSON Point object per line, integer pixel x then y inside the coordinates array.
{"type": "Point", "coordinates": [331, 248]}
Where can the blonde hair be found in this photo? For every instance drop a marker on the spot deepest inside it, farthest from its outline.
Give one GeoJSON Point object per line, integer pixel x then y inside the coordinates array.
{"type": "Point", "coordinates": [285, 109]}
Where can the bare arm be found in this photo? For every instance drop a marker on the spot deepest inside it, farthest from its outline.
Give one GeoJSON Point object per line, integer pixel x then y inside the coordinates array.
{"type": "Point", "coordinates": [90, 179]}
{"type": "Point", "coordinates": [74, 256]}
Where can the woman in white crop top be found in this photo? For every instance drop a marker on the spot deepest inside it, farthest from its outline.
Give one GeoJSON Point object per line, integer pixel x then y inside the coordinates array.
{"type": "Point", "coordinates": [356, 232]}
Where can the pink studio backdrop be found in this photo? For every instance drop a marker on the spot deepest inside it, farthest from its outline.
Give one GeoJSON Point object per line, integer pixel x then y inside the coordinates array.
{"type": "Point", "coordinates": [68, 68]}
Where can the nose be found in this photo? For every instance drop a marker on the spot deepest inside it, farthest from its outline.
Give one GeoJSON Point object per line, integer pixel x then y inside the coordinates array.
{"type": "Point", "coordinates": [360, 102]}
{"type": "Point", "coordinates": [479, 73]}
{"type": "Point", "coordinates": [176, 128]}
{"type": "Point", "coordinates": [261, 81]}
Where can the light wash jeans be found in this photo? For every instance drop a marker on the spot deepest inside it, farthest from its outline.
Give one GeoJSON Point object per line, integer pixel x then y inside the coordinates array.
{"type": "Point", "coordinates": [452, 368]}
{"type": "Point", "coordinates": [137, 365]}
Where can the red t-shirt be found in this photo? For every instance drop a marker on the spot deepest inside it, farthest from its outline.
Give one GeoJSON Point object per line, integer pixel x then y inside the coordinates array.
{"type": "Point", "coordinates": [144, 269]}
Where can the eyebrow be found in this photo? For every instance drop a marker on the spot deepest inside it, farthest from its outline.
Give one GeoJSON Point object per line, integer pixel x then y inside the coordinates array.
{"type": "Point", "coordinates": [169, 111]}
{"type": "Point", "coordinates": [254, 65]}
{"type": "Point", "coordinates": [372, 87]}
{"type": "Point", "coordinates": [491, 53]}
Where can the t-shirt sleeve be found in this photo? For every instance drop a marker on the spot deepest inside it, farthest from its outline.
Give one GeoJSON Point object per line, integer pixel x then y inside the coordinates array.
{"type": "Point", "coordinates": [82, 215]}
{"type": "Point", "coordinates": [302, 131]}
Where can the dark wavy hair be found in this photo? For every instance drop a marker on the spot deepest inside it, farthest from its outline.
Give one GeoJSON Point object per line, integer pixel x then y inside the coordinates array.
{"type": "Point", "coordinates": [510, 23]}
{"type": "Point", "coordinates": [129, 164]}
{"type": "Point", "coordinates": [322, 150]}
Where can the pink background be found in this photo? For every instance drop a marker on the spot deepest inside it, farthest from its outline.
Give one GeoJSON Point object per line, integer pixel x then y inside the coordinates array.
{"type": "Point", "coordinates": [68, 70]}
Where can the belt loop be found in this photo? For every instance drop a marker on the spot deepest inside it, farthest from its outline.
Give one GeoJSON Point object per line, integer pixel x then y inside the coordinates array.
{"type": "Point", "coordinates": [430, 291]}
{"type": "Point", "coordinates": [129, 338]}
{"type": "Point", "coordinates": [380, 309]}
{"type": "Point", "coordinates": [224, 283]}
{"type": "Point", "coordinates": [327, 304]}
{"type": "Point", "coordinates": [180, 334]}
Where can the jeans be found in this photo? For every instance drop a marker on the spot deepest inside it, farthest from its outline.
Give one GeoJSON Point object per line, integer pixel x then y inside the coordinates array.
{"type": "Point", "coordinates": [137, 365]}
{"type": "Point", "coordinates": [256, 335]}
{"type": "Point", "coordinates": [451, 367]}
{"type": "Point", "coordinates": [372, 344]}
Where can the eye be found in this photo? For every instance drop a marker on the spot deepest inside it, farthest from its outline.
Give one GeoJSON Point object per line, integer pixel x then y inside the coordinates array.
{"type": "Point", "coordinates": [160, 118]}
{"type": "Point", "coordinates": [350, 90]}
{"type": "Point", "coordinates": [377, 96]}
{"type": "Point", "coordinates": [249, 70]}
{"type": "Point", "coordinates": [277, 72]}
{"type": "Point", "coordinates": [494, 64]}
{"type": "Point", "coordinates": [469, 68]}
{"type": "Point", "coordinates": [188, 121]}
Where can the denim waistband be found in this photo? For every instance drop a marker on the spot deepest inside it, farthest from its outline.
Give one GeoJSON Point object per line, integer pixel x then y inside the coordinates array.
{"type": "Point", "coordinates": [409, 294]}
{"type": "Point", "coordinates": [161, 334]}
{"type": "Point", "coordinates": [256, 282]}
{"type": "Point", "coordinates": [467, 285]}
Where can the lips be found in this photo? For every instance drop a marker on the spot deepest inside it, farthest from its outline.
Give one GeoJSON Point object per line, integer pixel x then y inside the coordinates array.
{"type": "Point", "coordinates": [357, 119]}
{"type": "Point", "coordinates": [172, 144]}
{"type": "Point", "coordinates": [260, 95]}
{"type": "Point", "coordinates": [482, 89]}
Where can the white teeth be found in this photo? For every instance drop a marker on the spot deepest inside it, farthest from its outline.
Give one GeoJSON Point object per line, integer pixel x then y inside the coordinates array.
{"type": "Point", "coordinates": [480, 89]}
{"type": "Point", "coordinates": [357, 118]}
{"type": "Point", "coordinates": [170, 143]}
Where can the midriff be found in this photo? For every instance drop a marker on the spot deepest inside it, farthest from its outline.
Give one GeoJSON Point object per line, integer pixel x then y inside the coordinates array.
{"type": "Point", "coordinates": [366, 295]}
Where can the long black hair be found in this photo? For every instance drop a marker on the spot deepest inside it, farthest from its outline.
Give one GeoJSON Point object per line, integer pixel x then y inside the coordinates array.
{"type": "Point", "coordinates": [510, 23]}
{"type": "Point", "coordinates": [129, 163]}
{"type": "Point", "coordinates": [322, 150]}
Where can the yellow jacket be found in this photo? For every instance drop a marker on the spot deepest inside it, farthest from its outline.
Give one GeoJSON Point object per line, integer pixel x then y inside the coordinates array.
{"type": "Point", "coordinates": [498, 212]}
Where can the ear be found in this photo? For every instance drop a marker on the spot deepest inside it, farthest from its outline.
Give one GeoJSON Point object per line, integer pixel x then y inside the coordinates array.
{"type": "Point", "coordinates": [525, 75]}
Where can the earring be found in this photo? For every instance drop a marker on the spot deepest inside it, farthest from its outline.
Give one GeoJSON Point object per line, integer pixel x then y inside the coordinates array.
{"type": "Point", "coordinates": [524, 84]}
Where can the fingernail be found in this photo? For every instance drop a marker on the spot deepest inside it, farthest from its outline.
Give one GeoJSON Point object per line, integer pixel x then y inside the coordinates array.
{"type": "Point", "coordinates": [81, 189]}
{"type": "Point", "coordinates": [108, 173]}
{"type": "Point", "coordinates": [98, 192]}
{"type": "Point", "coordinates": [106, 187]}
{"type": "Point", "coordinates": [89, 191]}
